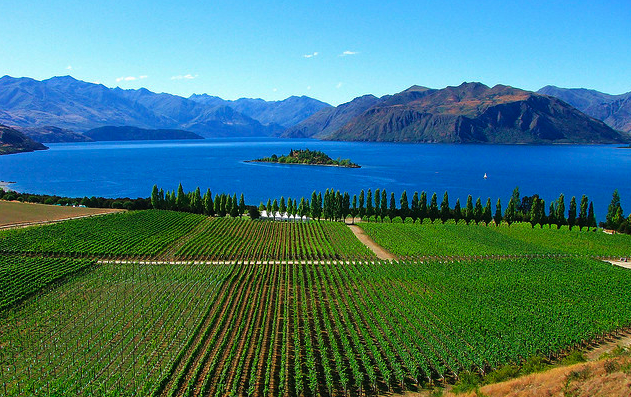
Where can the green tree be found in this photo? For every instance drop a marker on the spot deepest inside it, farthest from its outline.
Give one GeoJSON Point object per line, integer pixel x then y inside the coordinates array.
{"type": "Point", "coordinates": [346, 206]}
{"type": "Point", "coordinates": [377, 203]}
{"type": "Point", "coordinates": [234, 209]}
{"type": "Point", "coordinates": [209, 208]}
{"type": "Point", "coordinates": [392, 211]}
{"type": "Point", "coordinates": [415, 210]}
{"type": "Point", "coordinates": [498, 213]}
{"type": "Point", "coordinates": [196, 205]}
{"type": "Point", "coordinates": [354, 208]}
{"type": "Point", "coordinates": [282, 207]}
{"type": "Point", "coordinates": [155, 197]}
{"type": "Point", "coordinates": [181, 201]}
{"type": "Point", "coordinates": [560, 212]}
{"type": "Point", "coordinates": [591, 218]}
{"type": "Point", "coordinates": [275, 208]}
{"type": "Point", "coordinates": [362, 202]}
{"type": "Point", "coordinates": [468, 211]}
{"type": "Point", "coordinates": [369, 209]}
{"type": "Point", "coordinates": [487, 215]}
{"type": "Point", "coordinates": [582, 214]}
{"type": "Point", "coordinates": [217, 205]}
{"type": "Point", "coordinates": [534, 211]}
{"type": "Point", "coordinates": [422, 207]}
{"type": "Point", "coordinates": [552, 215]}
{"type": "Point", "coordinates": [444, 208]}
{"type": "Point", "coordinates": [571, 215]}
{"type": "Point", "coordinates": [384, 205]}
{"type": "Point", "coordinates": [241, 205]}
{"type": "Point", "coordinates": [511, 211]}
{"type": "Point", "coordinates": [433, 208]}
{"type": "Point", "coordinates": [457, 211]}
{"type": "Point", "coordinates": [269, 208]}
{"type": "Point", "coordinates": [477, 211]}
{"type": "Point", "coordinates": [612, 217]}
{"type": "Point", "coordinates": [314, 202]}
{"type": "Point", "coordinates": [404, 210]}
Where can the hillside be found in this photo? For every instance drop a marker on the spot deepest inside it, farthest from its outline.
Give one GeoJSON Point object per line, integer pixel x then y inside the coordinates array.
{"type": "Point", "coordinates": [112, 133]}
{"type": "Point", "coordinates": [80, 106]}
{"type": "Point", "coordinates": [51, 134]}
{"type": "Point", "coordinates": [469, 113]}
{"type": "Point", "coordinates": [614, 110]}
{"type": "Point", "coordinates": [13, 141]}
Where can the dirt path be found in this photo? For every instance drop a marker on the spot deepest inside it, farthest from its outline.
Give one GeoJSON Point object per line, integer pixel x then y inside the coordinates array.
{"type": "Point", "coordinates": [623, 339]}
{"type": "Point", "coordinates": [626, 264]}
{"type": "Point", "coordinates": [370, 243]}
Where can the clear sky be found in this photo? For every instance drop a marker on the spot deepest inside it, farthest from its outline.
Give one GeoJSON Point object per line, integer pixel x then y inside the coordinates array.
{"type": "Point", "coordinates": [329, 50]}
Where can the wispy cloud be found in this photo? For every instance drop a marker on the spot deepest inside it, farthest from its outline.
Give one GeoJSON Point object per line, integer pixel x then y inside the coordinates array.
{"type": "Point", "coordinates": [315, 54]}
{"type": "Point", "coordinates": [69, 67]}
{"type": "Point", "coordinates": [184, 77]}
{"type": "Point", "coordinates": [339, 85]}
{"type": "Point", "coordinates": [345, 53]}
{"type": "Point", "coordinates": [308, 87]}
{"type": "Point", "coordinates": [131, 78]}
{"type": "Point", "coordinates": [274, 89]}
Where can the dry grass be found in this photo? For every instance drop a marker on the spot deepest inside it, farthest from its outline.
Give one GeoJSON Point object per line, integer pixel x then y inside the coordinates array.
{"type": "Point", "coordinates": [15, 213]}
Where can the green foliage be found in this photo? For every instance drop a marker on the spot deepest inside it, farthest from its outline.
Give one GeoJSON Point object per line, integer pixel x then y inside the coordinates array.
{"type": "Point", "coordinates": [306, 156]}
{"type": "Point", "coordinates": [414, 240]}
{"type": "Point", "coordinates": [121, 234]}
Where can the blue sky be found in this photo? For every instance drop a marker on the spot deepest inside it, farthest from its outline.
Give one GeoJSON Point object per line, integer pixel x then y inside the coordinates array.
{"type": "Point", "coordinates": [332, 51]}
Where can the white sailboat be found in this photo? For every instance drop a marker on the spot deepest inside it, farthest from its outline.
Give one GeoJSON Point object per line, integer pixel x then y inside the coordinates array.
{"type": "Point", "coordinates": [485, 176]}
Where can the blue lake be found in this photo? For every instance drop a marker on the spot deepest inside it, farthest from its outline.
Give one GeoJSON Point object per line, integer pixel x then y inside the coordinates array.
{"type": "Point", "coordinates": [130, 169]}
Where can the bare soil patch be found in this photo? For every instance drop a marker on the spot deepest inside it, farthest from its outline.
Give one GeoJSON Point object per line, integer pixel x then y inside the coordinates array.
{"type": "Point", "coordinates": [17, 214]}
{"type": "Point", "coordinates": [370, 243]}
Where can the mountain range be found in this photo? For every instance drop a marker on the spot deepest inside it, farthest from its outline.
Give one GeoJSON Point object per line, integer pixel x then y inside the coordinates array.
{"type": "Point", "coordinates": [65, 109]}
{"type": "Point", "coordinates": [468, 113]}
{"type": "Point", "coordinates": [67, 103]}
{"type": "Point", "coordinates": [614, 110]}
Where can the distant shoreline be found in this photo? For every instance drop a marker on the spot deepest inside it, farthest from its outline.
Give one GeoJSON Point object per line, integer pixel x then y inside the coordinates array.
{"type": "Point", "coordinates": [5, 185]}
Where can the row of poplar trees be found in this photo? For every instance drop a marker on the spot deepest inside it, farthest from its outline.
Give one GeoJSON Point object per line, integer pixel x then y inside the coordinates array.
{"type": "Point", "coordinates": [337, 206]}
{"type": "Point", "coordinates": [220, 205]}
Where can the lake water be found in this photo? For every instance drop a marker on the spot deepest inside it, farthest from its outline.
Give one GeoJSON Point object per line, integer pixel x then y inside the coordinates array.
{"type": "Point", "coordinates": [130, 169]}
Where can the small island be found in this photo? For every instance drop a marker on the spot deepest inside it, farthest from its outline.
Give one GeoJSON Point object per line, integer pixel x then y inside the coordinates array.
{"type": "Point", "coordinates": [308, 157]}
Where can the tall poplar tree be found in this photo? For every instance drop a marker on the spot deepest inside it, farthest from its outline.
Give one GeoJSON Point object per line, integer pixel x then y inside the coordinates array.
{"type": "Point", "coordinates": [404, 209]}
{"type": "Point", "coordinates": [582, 213]}
{"type": "Point", "coordinates": [457, 211]}
{"type": "Point", "coordinates": [155, 197]}
{"type": "Point", "coordinates": [591, 218]}
{"type": "Point", "coordinates": [571, 215]}
{"type": "Point", "coordinates": [415, 208]}
{"type": "Point", "coordinates": [369, 208]}
{"type": "Point", "coordinates": [234, 210]}
{"type": "Point", "coordinates": [384, 205]}
{"type": "Point", "coordinates": [377, 204]}
{"type": "Point", "coordinates": [477, 211]}
{"type": "Point", "coordinates": [362, 202]}
{"type": "Point", "coordinates": [444, 208]}
{"type": "Point", "coordinates": [392, 211]}
{"type": "Point", "coordinates": [269, 208]}
{"type": "Point", "coordinates": [422, 207]}
{"type": "Point", "coordinates": [498, 213]}
{"type": "Point", "coordinates": [209, 208]}
{"type": "Point", "coordinates": [487, 215]}
{"type": "Point", "coordinates": [181, 200]}
{"type": "Point", "coordinates": [433, 208]}
{"type": "Point", "coordinates": [354, 208]}
{"type": "Point", "coordinates": [560, 212]}
{"type": "Point", "coordinates": [468, 211]}
{"type": "Point", "coordinates": [612, 211]}
{"type": "Point", "coordinates": [241, 205]}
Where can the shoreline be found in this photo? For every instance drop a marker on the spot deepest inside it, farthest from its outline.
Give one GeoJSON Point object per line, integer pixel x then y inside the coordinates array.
{"type": "Point", "coordinates": [5, 185]}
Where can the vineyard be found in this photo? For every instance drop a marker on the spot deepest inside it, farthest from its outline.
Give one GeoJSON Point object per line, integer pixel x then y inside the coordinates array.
{"type": "Point", "coordinates": [161, 303]}
{"type": "Point", "coordinates": [139, 233]}
{"type": "Point", "coordinates": [224, 238]}
{"type": "Point", "coordinates": [309, 329]}
{"type": "Point", "coordinates": [437, 239]}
